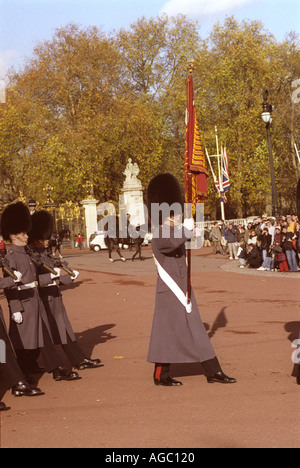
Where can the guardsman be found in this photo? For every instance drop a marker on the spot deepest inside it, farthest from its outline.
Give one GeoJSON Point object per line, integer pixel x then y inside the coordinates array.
{"type": "Point", "coordinates": [298, 213]}
{"type": "Point", "coordinates": [178, 334]}
{"type": "Point", "coordinates": [29, 327]}
{"type": "Point", "coordinates": [61, 329]}
{"type": "Point", "coordinates": [11, 375]}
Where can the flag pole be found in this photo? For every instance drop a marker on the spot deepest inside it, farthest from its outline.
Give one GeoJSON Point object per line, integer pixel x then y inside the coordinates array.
{"type": "Point", "coordinates": [297, 153]}
{"type": "Point", "coordinates": [189, 194]}
{"type": "Point", "coordinates": [220, 176]}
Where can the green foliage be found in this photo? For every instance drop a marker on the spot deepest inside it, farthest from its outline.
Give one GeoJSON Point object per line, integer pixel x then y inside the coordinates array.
{"type": "Point", "coordinates": [86, 102]}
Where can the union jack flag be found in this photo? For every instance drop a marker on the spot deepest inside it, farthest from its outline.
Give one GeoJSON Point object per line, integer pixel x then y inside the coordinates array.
{"type": "Point", "coordinates": [225, 170]}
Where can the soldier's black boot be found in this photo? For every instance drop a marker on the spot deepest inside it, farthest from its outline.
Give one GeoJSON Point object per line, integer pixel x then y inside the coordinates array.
{"type": "Point", "coordinates": [24, 389]}
{"type": "Point", "coordinates": [61, 373]}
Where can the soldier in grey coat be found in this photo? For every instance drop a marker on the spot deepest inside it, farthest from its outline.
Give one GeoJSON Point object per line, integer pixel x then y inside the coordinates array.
{"type": "Point", "coordinates": [29, 327]}
{"type": "Point", "coordinates": [178, 334]}
{"type": "Point", "coordinates": [298, 213]}
{"type": "Point", "coordinates": [61, 328]}
{"type": "Point", "coordinates": [11, 375]}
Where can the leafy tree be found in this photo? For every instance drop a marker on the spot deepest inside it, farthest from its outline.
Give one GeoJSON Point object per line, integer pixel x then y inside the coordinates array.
{"type": "Point", "coordinates": [86, 102]}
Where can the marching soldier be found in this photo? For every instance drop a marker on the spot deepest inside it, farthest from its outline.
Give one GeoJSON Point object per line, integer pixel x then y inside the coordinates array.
{"type": "Point", "coordinates": [61, 329]}
{"type": "Point", "coordinates": [298, 214]}
{"type": "Point", "coordinates": [29, 326]}
{"type": "Point", "coordinates": [11, 375]}
{"type": "Point", "coordinates": [178, 334]}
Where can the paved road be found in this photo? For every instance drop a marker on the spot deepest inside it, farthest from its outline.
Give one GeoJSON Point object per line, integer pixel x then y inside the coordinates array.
{"type": "Point", "coordinates": [203, 260]}
{"type": "Point", "coordinates": [252, 318]}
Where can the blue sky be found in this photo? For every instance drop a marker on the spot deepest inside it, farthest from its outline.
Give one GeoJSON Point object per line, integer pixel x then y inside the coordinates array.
{"type": "Point", "coordinates": [24, 23]}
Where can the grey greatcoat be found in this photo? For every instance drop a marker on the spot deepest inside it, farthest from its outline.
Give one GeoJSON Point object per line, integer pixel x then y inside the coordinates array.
{"type": "Point", "coordinates": [10, 373]}
{"type": "Point", "coordinates": [29, 334]}
{"type": "Point", "coordinates": [53, 303]}
{"type": "Point", "coordinates": [4, 283]}
{"type": "Point", "coordinates": [177, 337]}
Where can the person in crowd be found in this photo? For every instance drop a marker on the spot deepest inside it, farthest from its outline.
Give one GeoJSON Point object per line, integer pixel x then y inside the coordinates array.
{"type": "Point", "coordinates": [247, 233]}
{"type": "Point", "coordinates": [268, 262]}
{"type": "Point", "coordinates": [254, 257]}
{"type": "Point", "coordinates": [287, 245]}
{"type": "Point", "coordinates": [231, 240]}
{"type": "Point", "coordinates": [79, 241]}
{"type": "Point", "coordinates": [207, 237]}
{"type": "Point", "coordinates": [265, 240]}
{"type": "Point", "coordinates": [291, 225]}
{"type": "Point", "coordinates": [239, 233]}
{"type": "Point", "coordinates": [271, 227]}
{"type": "Point", "coordinates": [3, 249]}
{"type": "Point", "coordinates": [242, 253]}
{"type": "Point", "coordinates": [216, 235]}
{"type": "Point", "coordinates": [279, 255]}
{"type": "Point", "coordinates": [252, 237]}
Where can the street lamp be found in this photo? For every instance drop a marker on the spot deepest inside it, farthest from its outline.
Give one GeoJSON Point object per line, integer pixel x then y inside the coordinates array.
{"type": "Point", "coordinates": [267, 118]}
{"type": "Point", "coordinates": [49, 205]}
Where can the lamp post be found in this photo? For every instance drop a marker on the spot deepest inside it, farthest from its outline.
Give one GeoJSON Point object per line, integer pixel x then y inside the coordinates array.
{"type": "Point", "coordinates": [49, 205]}
{"type": "Point", "coordinates": [267, 118]}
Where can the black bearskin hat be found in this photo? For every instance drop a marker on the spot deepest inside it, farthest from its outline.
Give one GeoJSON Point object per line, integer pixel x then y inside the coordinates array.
{"type": "Point", "coordinates": [42, 226]}
{"type": "Point", "coordinates": [298, 199]}
{"type": "Point", "coordinates": [165, 188]}
{"type": "Point", "coordinates": [15, 219]}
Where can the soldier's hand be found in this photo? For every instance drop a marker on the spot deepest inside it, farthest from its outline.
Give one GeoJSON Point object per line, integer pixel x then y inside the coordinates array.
{"type": "Point", "coordinates": [17, 317]}
{"type": "Point", "coordinates": [189, 224]}
{"type": "Point", "coordinates": [57, 273]}
{"type": "Point", "coordinates": [19, 276]}
{"type": "Point", "coordinates": [76, 275]}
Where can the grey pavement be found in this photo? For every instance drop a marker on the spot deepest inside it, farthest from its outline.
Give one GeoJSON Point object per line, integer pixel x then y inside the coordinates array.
{"type": "Point", "coordinates": [202, 261]}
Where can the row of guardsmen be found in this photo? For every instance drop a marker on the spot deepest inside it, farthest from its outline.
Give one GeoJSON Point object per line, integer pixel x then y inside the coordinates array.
{"type": "Point", "coordinates": [38, 318]}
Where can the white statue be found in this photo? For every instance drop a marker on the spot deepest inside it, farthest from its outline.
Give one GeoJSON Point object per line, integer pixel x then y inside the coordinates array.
{"type": "Point", "coordinates": [128, 171]}
{"type": "Point", "coordinates": [135, 171]}
{"type": "Point", "coordinates": [131, 172]}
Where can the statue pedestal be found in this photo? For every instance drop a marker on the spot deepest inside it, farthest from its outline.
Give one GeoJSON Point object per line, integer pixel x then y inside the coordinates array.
{"type": "Point", "coordinates": [90, 207]}
{"type": "Point", "coordinates": [132, 195]}
{"type": "Point", "coordinates": [132, 201]}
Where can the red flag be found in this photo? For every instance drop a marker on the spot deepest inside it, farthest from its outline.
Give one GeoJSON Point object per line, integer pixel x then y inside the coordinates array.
{"type": "Point", "coordinates": [195, 161]}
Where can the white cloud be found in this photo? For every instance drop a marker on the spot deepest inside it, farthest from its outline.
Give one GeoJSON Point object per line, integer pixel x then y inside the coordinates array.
{"type": "Point", "coordinates": [202, 8]}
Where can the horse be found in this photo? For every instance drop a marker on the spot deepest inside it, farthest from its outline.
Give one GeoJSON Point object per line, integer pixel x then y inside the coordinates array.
{"type": "Point", "coordinates": [56, 241]}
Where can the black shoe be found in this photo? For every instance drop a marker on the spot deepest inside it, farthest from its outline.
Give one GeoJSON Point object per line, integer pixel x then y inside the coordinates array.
{"type": "Point", "coordinates": [169, 382]}
{"type": "Point", "coordinates": [220, 377]}
{"type": "Point", "coordinates": [3, 407]}
{"type": "Point", "coordinates": [61, 373]}
{"type": "Point", "coordinates": [88, 364]}
{"type": "Point", "coordinates": [24, 389]}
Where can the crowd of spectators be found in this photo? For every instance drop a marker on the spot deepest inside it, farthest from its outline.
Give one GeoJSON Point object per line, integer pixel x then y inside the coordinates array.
{"type": "Point", "coordinates": [267, 244]}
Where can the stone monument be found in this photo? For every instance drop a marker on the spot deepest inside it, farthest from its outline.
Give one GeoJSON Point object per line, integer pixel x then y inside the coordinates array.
{"type": "Point", "coordinates": [132, 200]}
{"type": "Point", "coordinates": [90, 207]}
